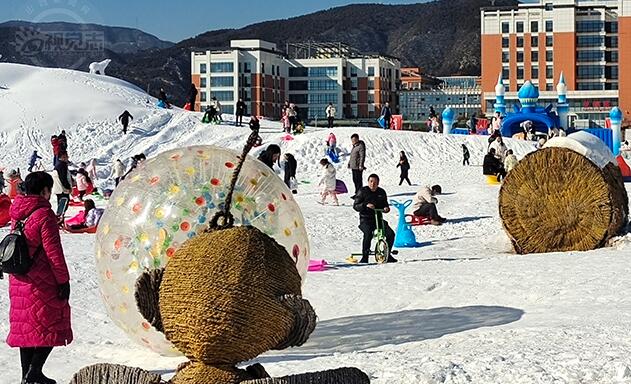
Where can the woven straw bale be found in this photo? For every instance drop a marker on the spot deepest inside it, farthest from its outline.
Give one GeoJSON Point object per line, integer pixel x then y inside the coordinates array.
{"type": "Point", "coordinates": [334, 376]}
{"type": "Point", "coordinates": [558, 200]}
{"type": "Point", "coordinates": [220, 298]}
{"type": "Point", "coordinates": [114, 374]}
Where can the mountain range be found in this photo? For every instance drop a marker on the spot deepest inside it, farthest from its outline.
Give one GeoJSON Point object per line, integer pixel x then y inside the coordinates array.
{"type": "Point", "coordinates": [442, 37]}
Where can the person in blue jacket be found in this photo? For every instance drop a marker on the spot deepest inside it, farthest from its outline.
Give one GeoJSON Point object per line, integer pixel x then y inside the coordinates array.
{"type": "Point", "coordinates": [34, 158]}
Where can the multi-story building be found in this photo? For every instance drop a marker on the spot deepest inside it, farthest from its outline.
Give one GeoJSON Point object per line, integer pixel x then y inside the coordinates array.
{"type": "Point", "coordinates": [311, 76]}
{"type": "Point", "coordinates": [589, 41]}
{"type": "Point", "coordinates": [460, 93]}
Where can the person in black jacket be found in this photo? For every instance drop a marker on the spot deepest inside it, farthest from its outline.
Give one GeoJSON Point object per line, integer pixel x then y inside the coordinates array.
{"type": "Point", "coordinates": [367, 200]}
{"type": "Point", "coordinates": [64, 179]}
{"type": "Point", "coordinates": [290, 170]}
{"type": "Point", "coordinates": [493, 166]}
{"type": "Point", "coordinates": [163, 97]}
{"type": "Point", "coordinates": [465, 155]}
{"type": "Point", "coordinates": [241, 110]}
{"type": "Point", "coordinates": [270, 155]}
{"type": "Point", "coordinates": [63, 142]}
{"type": "Point", "coordinates": [404, 164]}
{"type": "Point", "coordinates": [192, 96]}
{"type": "Point", "coordinates": [124, 119]}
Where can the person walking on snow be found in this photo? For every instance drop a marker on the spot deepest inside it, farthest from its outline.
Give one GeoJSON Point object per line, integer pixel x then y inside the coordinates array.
{"type": "Point", "coordinates": [217, 105]}
{"type": "Point", "coordinates": [425, 204]}
{"type": "Point", "coordinates": [33, 160]}
{"type": "Point", "coordinates": [386, 113]}
{"type": "Point", "coordinates": [356, 162]}
{"type": "Point", "coordinates": [62, 186]}
{"type": "Point", "coordinates": [367, 200]}
{"type": "Point", "coordinates": [241, 110]}
{"type": "Point", "coordinates": [330, 114]}
{"type": "Point", "coordinates": [192, 97]}
{"type": "Point", "coordinates": [290, 172]}
{"type": "Point", "coordinates": [328, 182]}
{"type": "Point", "coordinates": [118, 171]}
{"type": "Point", "coordinates": [124, 119]}
{"type": "Point", "coordinates": [465, 155]}
{"type": "Point", "coordinates": [91, 168]}
{"type": "Point", "coordinates": [39, 312]}
{"type": "Point", "coordinates": [404, 164]}
{"type": "Point", "coordinates": [54, 141]}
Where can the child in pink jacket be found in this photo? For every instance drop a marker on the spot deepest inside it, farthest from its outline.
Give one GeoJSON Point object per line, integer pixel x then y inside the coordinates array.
{"type": "Point", "coordinates": [39, 317]}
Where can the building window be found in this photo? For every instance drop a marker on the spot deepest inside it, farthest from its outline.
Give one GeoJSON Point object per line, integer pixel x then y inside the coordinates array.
{"type": "Point", "coordinates": [353, 71]}
{"type": "Point", "coordinates": [534, 41]}
{"type": "Point", "coordinates": [534, 26]}
{"type": "Point", "coordinates": [590, 71]}
{"type": "Point", "coordinates": [221, 81]}
{"type": "Point", "coordinates": [263, 68]}
{"type": "Point", "coordinates": [322, 98]}
{"type": "Point", "coordinates": [223, 95]}
{"type": "Point", "coordinates": [300, 98]}
{"type": "Point", "coordinates": [505, 27]}
{"type": "Point", "coordinates": [371, 84]}
{"type": "Point", "coordinates": [611, 41]}
{"type": "Point", "coordinates": [202, 96]}
{"type": "Point", "coordinates": [202, 82]}
{"type": "Point", "coordinates": [589, 26]}
{"type": "Point", "coordinates": [505, 42]}
{"type": "Point", "coordinates": [611, 72]}
{"type": "Point", "coordinates": [549, 87]}
{"type": "Point", "coordinates": [371, 71]}
{"type": "Point", "coordinates": [202, 68]}
{"type": "Point", "coordinates": [549, 56]}
{"type": "Point", "coordinates": [534, 72]}
{"type": "Point", "coordinates": [549, 41]}
{"type": "Point", "coordinates": [301, 85]}
{"type": "Point", "coordinates": [549, 72]}
{"type": "Point", "coordinates": [505, 57]}
{"type": "Point", "coordinates": [611, 56]}
{"type": "Point", "coordinates": [505, 73]}
{"type": "Point", "coordinates": [371, 98]}
{"type": "Point", "coordinates": [589, 41]}
{"type": "Point", "coordinates": [549, 25]}
{"type": "Point", "coordinates": [589, 86]}
{"type": "Point", "coordinates": [590, 55]}
{"type": "Point", "coordinates": [273, 70]}
{"type": "Point", "coordinates": [549, 7]}
{"type": "Point", "coordinates": [221, 67]}
{"type": "Point", "coordinates": [354, 83]}
{"type": "Point", "coordinates": [298, 72]}
{"type": "Point", "coordinates": [611, 27]}
{"type": "Point", "coordinates": [247, 67]}
{"type": "Point", "coordinates": [520, 72]}
{"type": "Point", "coordinates": [323, 85]}
{"type": "Point", "coordinates": [520, 42]}
{"type": "Point", "coordinates": [520, 57]}
{"type": "Point", "coordinates": [534, 56]}
{"type": "Point", "coordinates": [520, 27]}
{"type": "Point", "coordinates": [323, 72]}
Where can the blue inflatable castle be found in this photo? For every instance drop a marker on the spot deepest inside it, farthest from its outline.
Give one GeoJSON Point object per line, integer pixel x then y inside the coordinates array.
{"type": "Point", "coordinates": [543, 119]}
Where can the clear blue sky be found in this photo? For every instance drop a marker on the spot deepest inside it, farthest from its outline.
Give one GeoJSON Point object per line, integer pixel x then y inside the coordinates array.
{"type": "Point", "coordinates": [172, 20]}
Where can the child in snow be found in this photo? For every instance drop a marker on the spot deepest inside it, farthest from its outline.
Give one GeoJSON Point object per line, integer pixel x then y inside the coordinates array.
{"type": "Point", "coordinates": [510, 161]}
{"type": "Point", "coordinates": [91, 214]}
{"type": "Point", "coordinates": [465, 155]}
{"type": "Point", "coordinates": [33, 160]}
{"type": "Point", "coordinates": [404, 164]}
{"type": "Point", "coordinates": [83, 181]}
{"type": "Point", "coordinates": [328, 182]}
{"type": "Point", "coordinates": [331, 142]}
{"type": "Point", "coordinates": [425, 204]}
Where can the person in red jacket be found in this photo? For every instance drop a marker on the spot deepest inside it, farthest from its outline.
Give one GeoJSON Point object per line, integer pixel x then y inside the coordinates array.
{"type": "Point", "coordinates": [54, 141]}
{"type": "Point", "coordinates": [39, 316]}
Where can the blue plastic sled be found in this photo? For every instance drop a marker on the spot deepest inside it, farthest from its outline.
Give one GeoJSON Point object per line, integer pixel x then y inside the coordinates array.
{"type": "Point", "coordinates": [382, 122]}
{"type": "Point", "coordinates": [161, 104]}
{"type": "Point", "coordinates": [332, 155]}
{"type": "Point", "coordinates": [405, 237]}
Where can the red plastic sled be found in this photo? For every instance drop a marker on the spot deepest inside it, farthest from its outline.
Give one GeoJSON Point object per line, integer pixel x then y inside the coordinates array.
{"type": "Point", "coordinates": [75, 191]}
{"type": "Point", "coordinates": [187, 107]}
{"type": "Point", "coordinates": [417, 220]}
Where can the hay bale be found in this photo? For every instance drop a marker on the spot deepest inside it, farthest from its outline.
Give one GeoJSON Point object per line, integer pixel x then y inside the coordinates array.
{"type": "Point", "coordinates": [221, 301]}
{"type": "Point", "coordinates": [562, 199]}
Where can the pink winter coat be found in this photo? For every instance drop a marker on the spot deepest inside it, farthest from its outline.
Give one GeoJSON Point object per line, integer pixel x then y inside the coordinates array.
{"type": "Point", "coordinates": [82, 182]}
{"type": "Point", "coordinates": [37, 317]}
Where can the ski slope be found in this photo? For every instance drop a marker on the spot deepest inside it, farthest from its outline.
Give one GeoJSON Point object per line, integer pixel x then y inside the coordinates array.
{"type": "Point", "coordinates": [460, 309]}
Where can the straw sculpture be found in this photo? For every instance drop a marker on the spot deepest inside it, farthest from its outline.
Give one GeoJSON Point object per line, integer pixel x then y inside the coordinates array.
{"type": "Point", "coordinates": [226, 296]}
{"type": "Point", "coordinates": [556, 199]}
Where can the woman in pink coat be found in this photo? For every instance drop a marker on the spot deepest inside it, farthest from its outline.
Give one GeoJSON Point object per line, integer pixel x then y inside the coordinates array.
{"type": "Point", "coordinates": [39, 314]}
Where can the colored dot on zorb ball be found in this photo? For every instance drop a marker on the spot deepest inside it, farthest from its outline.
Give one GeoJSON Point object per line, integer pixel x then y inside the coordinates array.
{"type": "Point", "coordinates": [149, 219]}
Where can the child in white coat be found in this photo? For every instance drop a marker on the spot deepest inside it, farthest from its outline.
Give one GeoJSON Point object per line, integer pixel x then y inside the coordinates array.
{"type": "Point", "coordinates": [328, 181]}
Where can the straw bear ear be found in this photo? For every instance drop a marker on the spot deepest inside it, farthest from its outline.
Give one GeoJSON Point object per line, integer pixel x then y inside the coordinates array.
{"type": "Point", "coordinates": [304, 320]}
{"type": "Point", "coordinates": [148, 297]}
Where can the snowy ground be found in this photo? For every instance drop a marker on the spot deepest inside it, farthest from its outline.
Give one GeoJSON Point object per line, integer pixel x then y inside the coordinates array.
{"type": "Point", "coordinates": [460, 309]}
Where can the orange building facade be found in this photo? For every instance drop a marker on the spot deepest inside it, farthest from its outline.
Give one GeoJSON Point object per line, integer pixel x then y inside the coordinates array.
{"type": "Point", "coordinates": [589, 41]}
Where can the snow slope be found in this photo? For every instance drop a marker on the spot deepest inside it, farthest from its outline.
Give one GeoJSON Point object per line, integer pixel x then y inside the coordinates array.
{"type": "Point", "coordinates": [461, 309]}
